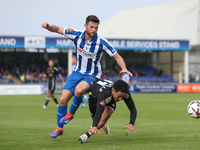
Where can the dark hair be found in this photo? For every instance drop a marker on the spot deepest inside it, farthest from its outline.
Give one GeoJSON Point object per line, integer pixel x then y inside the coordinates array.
{"type": "Point", "coordinates": [92, 18]}
{"type": "Point", "coordinates": [121, 86]}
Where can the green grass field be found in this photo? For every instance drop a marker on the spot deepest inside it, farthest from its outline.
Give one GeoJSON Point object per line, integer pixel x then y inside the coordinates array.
{"type": "Point", "coordinates": [162, 123]}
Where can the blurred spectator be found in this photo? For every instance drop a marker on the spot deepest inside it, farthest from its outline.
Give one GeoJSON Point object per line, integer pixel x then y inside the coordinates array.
{"type": "Point", "coordinates": [160, 72]}
{"type": "Point", "coordinates": [28, 70]}
{"type": "Point", "coordinates": [151, 74]}
{"type": "Point", "coordinates": [196, 78]}
{"type": "Point", "coordinates": [28, 76]}
{"type": "Point", "coordinates": [22, 77]}
{"type": "Point", "coordinates": [156, 74]}
{"type": "Point", "coordinates": [191, 78]}
{"type": "Point", "coordinates": [1, 74]}
{"type": "Point", "coordinates": [126, 78]}
{"type": "Point", "coordinates": [4, 75]}
{"type": "Point", "coordinates": [7, 78]}
{"type": "Point", "coordinates": [17, 71]}
{"type": "Point", "coordinates": [139, 73]}
{"type": "Point", "coordinates": [63, 73]}
{"type": "Point", "coordinates": [135, 74]}
{"type": "Point", "coordinates": [143, 74]}
{"type": "Point", "coordinates": [131, 69]}
{"type": "Point", "coordinates": [183, 78]}
{"type": "Point", "coordinates": [35, 77]}
{"type": "Point", "coordinates": [163, 75]}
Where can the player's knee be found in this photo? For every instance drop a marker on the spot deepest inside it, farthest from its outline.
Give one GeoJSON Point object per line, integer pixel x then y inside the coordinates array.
{"type": "Point", "coordinates": [62, 101]}
{"type": "Point", "coordinates": [79, 91]}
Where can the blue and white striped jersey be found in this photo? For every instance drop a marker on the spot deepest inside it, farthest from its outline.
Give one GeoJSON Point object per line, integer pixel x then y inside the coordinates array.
{"type": "Point", "coordinates": [89, 53]}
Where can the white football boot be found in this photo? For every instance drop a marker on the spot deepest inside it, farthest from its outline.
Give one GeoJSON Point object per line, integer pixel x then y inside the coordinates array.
{"type": "Point", "coordinates": [106, 129]}
{"type": "Point", "coordinates": [44, 107]}
{"type": "Point", "coordinates": [83, 138]}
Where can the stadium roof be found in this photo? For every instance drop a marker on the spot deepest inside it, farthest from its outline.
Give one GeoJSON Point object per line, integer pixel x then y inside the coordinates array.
{"type": "Point", "coordinates": [172, 21]}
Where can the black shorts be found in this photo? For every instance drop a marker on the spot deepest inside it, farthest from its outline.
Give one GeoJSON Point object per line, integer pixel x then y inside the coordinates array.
{"type": "Point", "coordinates": [92, 102]}
{"type": "Point", "coordinates": [51, 88]}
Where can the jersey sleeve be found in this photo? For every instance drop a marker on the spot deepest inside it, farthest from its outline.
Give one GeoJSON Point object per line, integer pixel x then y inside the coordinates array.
{"type": "Point", "coordinates": [131, 106]}
{"type": "Point", "coordinates": [71, 33]}
{"type": "Point", "coordinates": [108, 48]}
{"type": "Point", "coordinates": [99, 111]}
{"type": "Point", "coordinates": [56, 70]}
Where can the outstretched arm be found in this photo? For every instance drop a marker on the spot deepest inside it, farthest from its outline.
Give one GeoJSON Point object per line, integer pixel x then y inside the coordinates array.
{"type": "Point", "coordinates": [122, 64]}
{"type": "Point", "coordinates": [43, 75]}
{"type": "Point", "coordinates": [94, 130]}
{"type": "Point", "coordinates": [129, 128]}
{"type": "Point", "coordinates": [52, 28]}
{"type": "Point", "coordinates": [97, 117]}
{"type": "Point", "coordinates": [133, 113]}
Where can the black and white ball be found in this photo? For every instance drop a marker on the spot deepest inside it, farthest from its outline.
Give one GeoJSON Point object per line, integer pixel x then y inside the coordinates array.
{"type": "Point", "coordinates": [194, 109]}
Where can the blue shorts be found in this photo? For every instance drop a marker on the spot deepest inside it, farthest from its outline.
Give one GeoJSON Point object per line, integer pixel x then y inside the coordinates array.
{"type": "Point", "coordinates": [75, 78]}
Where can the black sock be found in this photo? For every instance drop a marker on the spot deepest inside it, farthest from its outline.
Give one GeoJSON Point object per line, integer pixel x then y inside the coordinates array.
{"type": "Point", "coordinates": [88, 134]}
{"type": "Point", "coordinates": [55, 100]}
{"type": "Point", "coordinates": [47, 101]}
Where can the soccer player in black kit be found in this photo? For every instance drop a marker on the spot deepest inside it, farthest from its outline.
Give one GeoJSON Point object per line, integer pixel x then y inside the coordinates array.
{"type": "Point", "coordinates": [103, 96]}
{"type": "Point", "coordinates": [51, 73]}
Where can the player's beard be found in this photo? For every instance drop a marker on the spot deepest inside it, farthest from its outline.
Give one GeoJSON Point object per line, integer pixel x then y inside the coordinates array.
{"type": "Point", "coordinates": [92, 34]}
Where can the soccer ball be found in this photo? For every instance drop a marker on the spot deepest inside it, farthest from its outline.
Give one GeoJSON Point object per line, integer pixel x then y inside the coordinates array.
{"type": "Point", "coordinates": [194, 109]}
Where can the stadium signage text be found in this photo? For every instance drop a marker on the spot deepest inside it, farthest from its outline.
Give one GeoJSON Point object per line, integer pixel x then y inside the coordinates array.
{"type": "Point", "coordinates": [63, 42]}
{"type": "Point", "coordinates": [155, 88]}
{"type": "Point", "coordinates": [27, 89]}
{"type": "Point", "coordinates": [20, 89]}
{"type": "Point", "coordinates": [8, 41]}
{"type": "Point", "coordinates": [59, 43]}
{"type": "Point", "coordinates": [145, 44]}
{"type": "Point", "coordinates": [188, 88]}
{"type": "Point", "coordinates": [149, 44]}
{"type": "Point", "coordinates": [121, 44]}
{"type": "Point", "coordinates": [11, 42]}
{"type": "Point", "coordinates": [134, 88]}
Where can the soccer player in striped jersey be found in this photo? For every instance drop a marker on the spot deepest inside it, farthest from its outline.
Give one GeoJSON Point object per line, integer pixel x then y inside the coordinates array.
{"type": "Point", "coordinates": [83, 105]}
{"type": "Point", "coordinates": [103, 96]}
{"type": "Point", "coordinates": [51, 73]}
{"type": "Point", "coordinates": [89, 48]}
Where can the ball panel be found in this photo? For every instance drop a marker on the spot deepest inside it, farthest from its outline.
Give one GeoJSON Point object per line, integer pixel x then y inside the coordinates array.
{"type": "Point", "coordinates": [193, 108]}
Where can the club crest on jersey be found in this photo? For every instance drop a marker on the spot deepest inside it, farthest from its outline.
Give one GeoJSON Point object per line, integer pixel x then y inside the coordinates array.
{"type": "Point", "coordinates": [103, 103]}
{"type": "Point", "coordinates": [69, 30]}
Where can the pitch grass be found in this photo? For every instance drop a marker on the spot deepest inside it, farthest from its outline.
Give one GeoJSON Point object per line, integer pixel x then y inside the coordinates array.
{"type": "Point", "coordinates": [162, 123]}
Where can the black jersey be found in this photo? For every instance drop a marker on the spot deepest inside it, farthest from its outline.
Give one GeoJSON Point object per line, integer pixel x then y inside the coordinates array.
{"type": "Point", "coordinates": [101, 90]}
{"type": "Point", "coordinates": [51, 74]}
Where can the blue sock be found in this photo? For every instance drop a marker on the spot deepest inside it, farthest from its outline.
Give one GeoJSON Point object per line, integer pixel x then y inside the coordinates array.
{"type": "Point", "coordinates": [82, 102]}
{"type": "Point", "coordinates": [75, 104]}
{"type": "Point", "coordinates": [62, 111]}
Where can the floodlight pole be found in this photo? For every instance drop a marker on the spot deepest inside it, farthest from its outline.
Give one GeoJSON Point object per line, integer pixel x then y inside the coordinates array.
{"type": "Point", "coordinates": [186, 67]}
{"type": "Point", "coordinates": [70, 61]}
{"type": "Point", "coordinates": [197, 51]}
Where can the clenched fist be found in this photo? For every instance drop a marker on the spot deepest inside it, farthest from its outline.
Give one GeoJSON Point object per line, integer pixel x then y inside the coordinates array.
{"type": "Point", "coordinates": [45, 24]}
